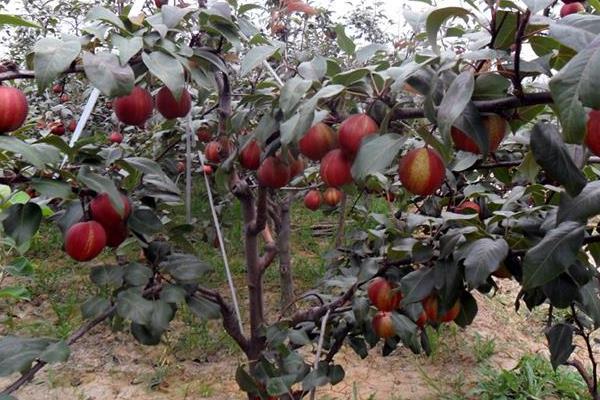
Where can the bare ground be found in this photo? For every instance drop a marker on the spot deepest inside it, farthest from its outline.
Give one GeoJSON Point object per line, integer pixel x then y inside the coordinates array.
{"type": "Point", "coordinates": [110, 366]}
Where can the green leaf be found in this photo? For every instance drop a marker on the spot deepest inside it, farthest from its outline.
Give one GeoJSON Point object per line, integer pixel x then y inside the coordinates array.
{"type": "Point", "coordinates": [56, 352]}
{"type": "Point", "coordinates": [172, 16]}
{"type": "Point", "coordinates": [376, 154]}
{"type": "Point", "coordinates": [173, 294]}
{"type": "Point", "coordinates": [470, 122]}
{"type": "Point", "coordinates": [348, 78]}
{"type": "Point", "coordinates": [17, 354]}
{"type": "Point", "coordinates": [144, 221]}
{"type": "Point", "coordinates": [345, 43]}
{"type": "Point", "coordinates": [27, 151]}
{"type": "Point", "coordinates": [293, 128]}
{"type": "Point", "coordinates": [536, 6]}
{"type": "Point", "coordinates": [101, 184]}
{"type": "Point", "coordinates": [484, 257]}
{"type": "Point", "coordinates": [255, 57]}
{"type": "Point", "coordinates": [51, 57]}
{"type": "Point", "coordinates": [106, 275]}
{"type": "Point", "coordinates": [128, 47]}
{"type": "Point", "coordinates": [404, 327]}
{"type": "Point", "coordinates": [137, 274]}
{"type": "Point", "coordinates": [106, 74]}
{"type": "Point", "coordinates": [103, 14]}
{"type": "Point", "coordinates": [553, 254]}
{"type": "Point", "coordinates": [280, 385]}
{"type": "Point", "coordinates": [437, 18]}
{"type": "Point", "coordinates": [185, 267]}
{"type": "Point", "coordinates": [52, 189]}
{"type": "Point", "coordinates": [455, 101]}
{"type": "Point", "coordinates": [292, 92]}
{"type": "Point", "coordinates": [162, 314]}
{"type": "Point", "coordinates": [576, 31]}
{"type": "Point", "coordinates": [167, 69]}
{"type": "Point", "coordinates": [552, 155]}
{"type": "Point", "coordinates": [20, 266]}
{"type": "Point", "coordinates": [581, 207]}
{"type": "Point", "coordinates": [15, 293]}
{"type": "Point", "coordinates": [22, 222]}
{"type": "Point", "coordinates": [590, 300]}
{"type": "Point", "coordinates": [313, 70]}
{"type": "Point", "coordinates": [365, 53]}
{"type": "Point", "coordinates": [490, 86]}
{"type": "Point", "coordinates": [573, 87]}
{"type": "Point", "coordinates": [145, 335]}
{"type": "Point", "coordinates": [204, 309]}
{"type": "Point", "coordinates": [94, 306]}
{"type": "Point", "coordinates": [560, 342]}
{"type": "Point", "coordinates": [561, 291]}
{"type": "Point", "coordinates": [15, 20]}
{"type": "Point", "coordinates": [506, 25]}
{"type": "Point", "coordinates": [468, 310]}
{"type": "Point", "coordinates": [132, 306]}
{"type": "Point", "coordinates": [245, 381]}
{"type": "Point", "coordinates": [417, 285]}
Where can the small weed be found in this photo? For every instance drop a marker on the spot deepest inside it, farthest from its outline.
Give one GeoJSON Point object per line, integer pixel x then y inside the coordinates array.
{"type": "Point", "coordinates": [483, 348]}
{"type": "Point", "coordinates": [532, 378]}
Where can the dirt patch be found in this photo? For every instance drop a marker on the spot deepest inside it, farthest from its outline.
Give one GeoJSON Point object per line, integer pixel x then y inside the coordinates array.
{"type": "Point", "coordinates": [111, 366]}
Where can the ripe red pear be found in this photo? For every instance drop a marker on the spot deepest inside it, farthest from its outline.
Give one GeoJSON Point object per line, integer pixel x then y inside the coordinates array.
{"type": "Point", "coordinates": [72, 126]}
{"type": "Point", "coordinates": [57, 128]}
{"type": "Point", "coordinates": [332, 196]}
{"type": "Point", "coordinates": [422, 171]}
{"type": "Point", "coordinates": [13, 108]}
{"type": "Point", "coordinates": [495, 126]}
{"type": "Point", "coordinates": [452, 313]}
{"type": "Point", "coordinates": [335, 169]}
{"type": "Point", "coordinates": [204, 135]}
{"type": "Point", "coordinates": [571, 8]}
{"type": "Point", "coordinates": [273, 173]}
{"type": "Point", "coordinates": [116, 234]}
{"type": "Point", "coordinates": [467, 207]}
{"type": "Point", "coordinates": [318, 141]}
{"type": "Point", "coordinates": [297, 166]}
{"type": "Point", "coordinates": [64, 98]}
{"type": "Point", "coordinates": [180, 167]}
{"type": "Point", "coordinates": [115, 137]}
{"type": "Point", "coordinates": [57, 88]}
{"type": "Point", "coordinates": [135, 108]}
{"type": "Point", "coordinates": [592, 137]}
{"type": "Point", "coordinates": [312, 200]}
{"type": "Point", "coordinates": [250, 155]}
{"type": "Point", "coordinates": [207, 169]}
{"type": "Point", "coordinates": [382, 294]}
{"type": "Point", "coordinates": [85, 240]}
{"type": "Point", "coordinates": [383, 324]}
{"type": "Point", "coordinates": [214, 152]}
{"type": "Point", "coordinates": [430, 307]}
{"type": "Point", "coordinates": [103, 211]}
{"type": "Point", "coordinates": [170, 107]}
{"type": "Point", "coordinates": [353, 130]}
{"type": "Point", "coordinates": [422, 320]}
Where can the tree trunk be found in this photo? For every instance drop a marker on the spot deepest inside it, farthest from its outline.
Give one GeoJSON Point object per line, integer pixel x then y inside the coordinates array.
{"type": "Point", "coordinates": [285, 259]}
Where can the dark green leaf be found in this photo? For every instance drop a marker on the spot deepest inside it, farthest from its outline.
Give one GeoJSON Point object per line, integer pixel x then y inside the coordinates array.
{"type": "Point", "coordinates": [22, 222]}
{"type": "Point", "coordinates": [56, 352]}
{"type": "Point", "coordinates": [162, 314]}
{"type": "Point", "coordinates": [144, 221]}
{"type": "Point", "coordinates": [417, 285]}
{"type": "Point", "coordinates": [561, 291]}
{"type": "Point", "coordinates": [552, 155]}
{"type": "Point", "coordinates": [345, 43]}
{"type": "Point", "coordinates": [167, 69]}
{"type": "Point", "coordinates": [27, 151]}
{"type": "Point", "coordinates": [173, 294]}
{"type": "Point", "coordinates": [590, 300]}
{"type": "Point", "coordinates": [106, 275]}
{"type": "Point", "coordinates": [137, 274]}
{"type": "Point", "coordinates": [204, 309]}
{"type": "Point", "coordinates": [52, 188]}
{"type": "Point", "coordinates": [132, 306]}
{"type": "Point", "coordinates": [560, 342]}
{"type": "Point", "coordinates": [468, 310]}
{"type": "Point", "coordinates": [145, 335]}
{"type": "Point", "coordinates": [376, 154]}
{"type": "Point", "coordinates": [185, 267]}
{"type": "Point", "coordinates": [436, 19]}
{"type": "Point", "coordinates": [484, 257]}
{"type": "Point", "coordinates": [94, 306]}
{"type": "Point", "coordinates": [581, 207]}
{"type": "Point", "coordinates": [292, 92]}
{"type": "Point", "coordinates": [455, 100]}
{"type": "Point", "coordinates": [553, 254]}
{"type": "Point", "coordinates": [101, 184]}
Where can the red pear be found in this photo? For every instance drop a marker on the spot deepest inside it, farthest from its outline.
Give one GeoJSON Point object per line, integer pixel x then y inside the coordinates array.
{"type": "Point", "coordinates": [422, 171]}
